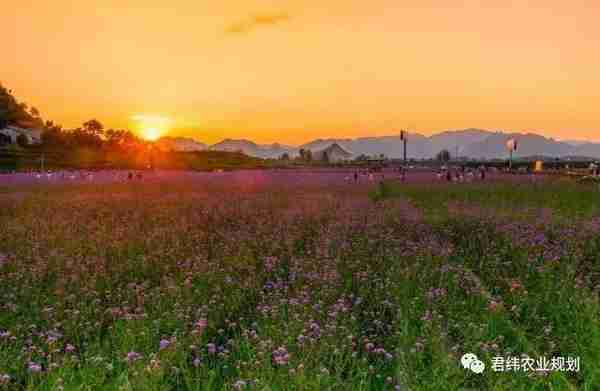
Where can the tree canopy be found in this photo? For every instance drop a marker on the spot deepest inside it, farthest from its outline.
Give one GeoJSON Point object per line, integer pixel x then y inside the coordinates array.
{"type": "Point", "coordinates": [13, 112]}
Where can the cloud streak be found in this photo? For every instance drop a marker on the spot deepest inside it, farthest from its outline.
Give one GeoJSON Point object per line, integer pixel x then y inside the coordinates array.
{"type": "Point", "coordinates": [257, 21]}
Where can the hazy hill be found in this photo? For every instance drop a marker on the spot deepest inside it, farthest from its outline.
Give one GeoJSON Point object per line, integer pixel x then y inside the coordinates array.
{"type": "Point", "coordinates": [471, 143]}
{"type": "Point", "coordinates": [333, 153]}
{"type": "Point", "coordinates": [180, 144]}
{"type": "Point", "coordinates": [588, 149]}
{"type": "Point", "coordinates": [320, 144]}
{"type": "Point", "coordinates": [494, 146]}
{"type": "Point", "coordinates": [251, 148]}
{"type": "Point", "coordinates": [390, 146]}
{"type": "Point", "coordinates": [456, 139]}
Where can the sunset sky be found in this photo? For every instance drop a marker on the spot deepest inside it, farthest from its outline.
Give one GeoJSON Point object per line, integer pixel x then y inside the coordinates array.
{"type": "Point", "coordinates": [294, 70]}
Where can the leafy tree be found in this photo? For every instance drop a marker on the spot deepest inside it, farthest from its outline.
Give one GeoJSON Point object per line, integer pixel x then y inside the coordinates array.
{"type": "Point", "coordinates": [22, 140]}
{"type": "Point", "coordinates": [302, 153]}
{"type": "Point", "coordinates": [285, 156]}
{"type": "Point", "coordinates": [4, 139]}
{"type": "Point", "coordinates": [443, 156]}
{"type": "Point", "coordinates": [93, 127]}
{"type": "Point", "coordinates": [16, 113]}
{"type": "Point", "coordinates": [120, 138]}
{"type": "Point", "coordinates": [308, 155]}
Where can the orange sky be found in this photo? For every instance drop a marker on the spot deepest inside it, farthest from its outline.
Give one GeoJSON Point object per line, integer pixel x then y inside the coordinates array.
{"type": "Point", "coordinates": [294, 70]}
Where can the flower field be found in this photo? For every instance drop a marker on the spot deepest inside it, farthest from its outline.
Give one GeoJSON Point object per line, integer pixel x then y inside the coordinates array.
{"type": "Point", "coordinates": [298, 281]}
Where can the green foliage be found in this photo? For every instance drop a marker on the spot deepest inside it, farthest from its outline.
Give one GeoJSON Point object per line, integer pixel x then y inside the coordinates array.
{"type": "Point", "coordinates": [443, 156]}
{"type": "Point", "coordinates": [22, 141]}
{"type": "Point", "coordinates": [13, 112]}
{"type": "Point", "coordinates": [566, 198]}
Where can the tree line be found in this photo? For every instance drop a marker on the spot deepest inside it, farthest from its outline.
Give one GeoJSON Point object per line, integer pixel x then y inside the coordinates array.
{"type": "Point", "coordinates": [91, 134]}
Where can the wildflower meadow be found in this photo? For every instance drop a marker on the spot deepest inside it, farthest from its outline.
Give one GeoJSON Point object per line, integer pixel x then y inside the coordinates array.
{"type": "Point", "coordinates": [298, 281]}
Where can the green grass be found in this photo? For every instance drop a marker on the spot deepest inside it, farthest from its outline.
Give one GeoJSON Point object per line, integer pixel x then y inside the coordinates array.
{"type": "Point", "coordinates": [565, 198]}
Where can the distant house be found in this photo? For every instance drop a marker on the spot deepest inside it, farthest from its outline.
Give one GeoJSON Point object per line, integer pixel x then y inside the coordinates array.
{"type": "Point", "coordinates": [333, 154]}
{"type": "Point", "coordinates": [11, 133]}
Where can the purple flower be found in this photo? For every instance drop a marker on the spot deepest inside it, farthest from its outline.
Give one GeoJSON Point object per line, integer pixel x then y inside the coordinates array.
{"type": "Point", "coordinates": [164, 343]}
{"type": "Point", "coordinates": [133, 356]}
{"type": "Point", "coordinates": [201, 324]}
{"type": "Point", "coordinates": [281, 356]}
{"type": "Point", "coordinates": [212, 348]}
{"type": "Point", "coordinates": [34, 367]}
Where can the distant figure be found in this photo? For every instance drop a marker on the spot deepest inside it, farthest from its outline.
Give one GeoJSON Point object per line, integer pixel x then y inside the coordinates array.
{"type": "Point", "coordinates": [130, 176]}
{"type": "Point", "coordinates": [355, 176]}
{"type": "Point", "coordinates": [448, 176]}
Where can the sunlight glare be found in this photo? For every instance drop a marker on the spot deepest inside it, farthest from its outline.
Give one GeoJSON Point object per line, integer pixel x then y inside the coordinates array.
{"type": "Point", "coordinates": [151, 127]}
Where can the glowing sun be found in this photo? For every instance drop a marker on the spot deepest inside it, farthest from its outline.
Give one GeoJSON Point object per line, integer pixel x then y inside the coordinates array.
{"type": "Point", "coordinates": [151, 127]}
{"type": "Point", "coordinates": [151, 134]}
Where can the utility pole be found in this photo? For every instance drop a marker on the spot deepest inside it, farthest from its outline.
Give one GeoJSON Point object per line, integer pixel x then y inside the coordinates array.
{"type": "Point", "coordinates": [42, 163]}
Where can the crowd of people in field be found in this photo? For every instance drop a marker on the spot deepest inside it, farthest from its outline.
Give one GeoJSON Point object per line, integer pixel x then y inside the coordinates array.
{"type": "Point", "coordinates": [449, 174]}
{"type": "Point", "coordinates": [462, 174]}
{"type": "Point", "coordinates": [80, 175]}
{"type": "Point", "coordinates": [359, 175]}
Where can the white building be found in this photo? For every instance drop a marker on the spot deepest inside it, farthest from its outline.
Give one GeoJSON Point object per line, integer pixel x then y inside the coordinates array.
{"type": "Point", "coordinates": [34, 136]}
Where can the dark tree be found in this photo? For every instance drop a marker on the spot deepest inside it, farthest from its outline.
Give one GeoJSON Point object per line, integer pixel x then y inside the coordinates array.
{"type": "Point", "coordinates": [308, 155]}
{"type": "Point", "coordinates": [22, 140]}
{"type": "Point", "coordinates": [302, 152]}
{"type": "Point", "coordinates": [93, 127]}
{"type": "Point", "coordinates": [443, 156]}
{"type": "Point", "coordinates": [4, 139]}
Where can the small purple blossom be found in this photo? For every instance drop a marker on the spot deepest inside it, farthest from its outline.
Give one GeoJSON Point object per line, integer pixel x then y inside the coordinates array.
{"type": "Point", "coordinates": [280, 356]}
{"type": "Point", "coordinates": [33, 367]}
{"type": "Point", "coordinates": [133, 356]}
{"type": "Point", "coordinates": [164, 343]}
{"type": "Point", "coordinates": [211, 348]}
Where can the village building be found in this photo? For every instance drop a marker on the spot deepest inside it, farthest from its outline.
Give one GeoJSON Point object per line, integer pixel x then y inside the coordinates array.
{"type": "Point", "coordinates": [10, 134]}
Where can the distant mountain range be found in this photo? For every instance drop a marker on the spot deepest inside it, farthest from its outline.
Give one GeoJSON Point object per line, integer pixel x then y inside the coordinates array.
{"type": "Point", "coordinates": [469, 143]}
{"type": "Point", "coordinates": [180, 144]}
